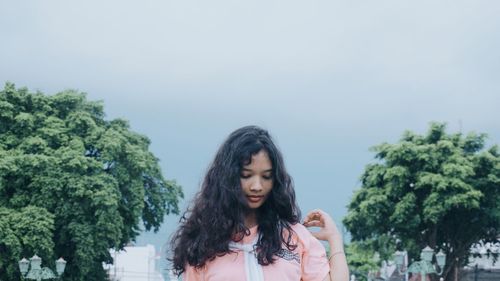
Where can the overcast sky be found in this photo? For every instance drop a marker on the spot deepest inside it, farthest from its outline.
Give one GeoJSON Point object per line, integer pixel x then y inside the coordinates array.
{"type": "Point", "coordinates": [328, 79]}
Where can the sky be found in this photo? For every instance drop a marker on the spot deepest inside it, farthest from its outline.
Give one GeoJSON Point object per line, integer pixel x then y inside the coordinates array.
{"type": "Point", "coordinates": [328, 79]}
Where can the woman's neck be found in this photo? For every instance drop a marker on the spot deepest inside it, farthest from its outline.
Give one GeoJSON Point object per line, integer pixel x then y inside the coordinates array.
{"type": "Point", "coordinates": [251, 219]}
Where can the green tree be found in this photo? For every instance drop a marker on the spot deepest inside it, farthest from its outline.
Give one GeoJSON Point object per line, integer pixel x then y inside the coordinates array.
{"type": "Point", "coordinates": [366, 256]}
{"type": "Point", "coordinates": [438, 189]}
{"type": "Point", "coordinates": [73, 184]}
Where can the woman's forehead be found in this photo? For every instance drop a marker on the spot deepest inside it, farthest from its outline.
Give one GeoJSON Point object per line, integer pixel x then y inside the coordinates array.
{"type": "Point", "coordinates": [259, 160]}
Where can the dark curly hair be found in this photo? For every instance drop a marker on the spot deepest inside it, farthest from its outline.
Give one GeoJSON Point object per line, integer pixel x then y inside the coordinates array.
{"type": "Point", "coordinates": [218, 210]}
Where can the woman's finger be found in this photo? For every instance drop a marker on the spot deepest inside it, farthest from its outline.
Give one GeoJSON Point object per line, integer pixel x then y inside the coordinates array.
{"type": "Point", "coordinates": [313, 214]}
{"type": "Point", "coordinates": [315, 223]}
{"type": "Point", "coordinates": [309, 217]}
{"type": "Point", "coordinates": [310, 221]}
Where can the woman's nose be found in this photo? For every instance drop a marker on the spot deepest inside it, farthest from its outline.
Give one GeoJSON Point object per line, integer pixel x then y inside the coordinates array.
{"type": "Point", "coordinates": [256, 185]}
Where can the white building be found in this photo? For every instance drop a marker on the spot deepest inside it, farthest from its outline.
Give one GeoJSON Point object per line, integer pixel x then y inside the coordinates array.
{"type": "Point", "coordinates": [134, 264]}
{"type": "Point", "coordinates": [483, 260]}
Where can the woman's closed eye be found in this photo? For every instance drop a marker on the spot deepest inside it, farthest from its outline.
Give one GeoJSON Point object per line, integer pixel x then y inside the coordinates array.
{"type": "Point", "coordinates": [247, 176]}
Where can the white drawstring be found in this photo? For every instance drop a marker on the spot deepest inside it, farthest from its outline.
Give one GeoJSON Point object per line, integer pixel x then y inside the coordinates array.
{"type": "Point", "coordinates": [253, 269]}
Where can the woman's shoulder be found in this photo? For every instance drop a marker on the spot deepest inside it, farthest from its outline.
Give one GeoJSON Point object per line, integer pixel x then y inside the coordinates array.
{"type": "Point", "coordinates": [303, 235]}
{"type": "Point", "coordinates": [301, 230]}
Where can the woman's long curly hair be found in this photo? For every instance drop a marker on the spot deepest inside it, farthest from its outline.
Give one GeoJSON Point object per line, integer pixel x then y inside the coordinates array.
{"type": "Point", "coordinates": [217, 213]}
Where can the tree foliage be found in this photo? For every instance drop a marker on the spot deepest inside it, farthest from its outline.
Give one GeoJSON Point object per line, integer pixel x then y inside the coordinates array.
{"type": "Point", "coordinates": [437, 189]}
{"type": "Point", "coordinates": [366, 257]}
{"type": "Point", "coordinates": [73, 184]}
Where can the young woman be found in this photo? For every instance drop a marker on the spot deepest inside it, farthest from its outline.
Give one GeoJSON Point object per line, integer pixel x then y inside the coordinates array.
{"type": "Point", "coordinates": [244, 223]}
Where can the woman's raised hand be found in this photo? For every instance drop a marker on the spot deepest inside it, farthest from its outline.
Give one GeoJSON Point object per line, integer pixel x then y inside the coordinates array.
{"type": "Point", "coordinates": [328, 231]}
{"type": "Point", "coordinates": [319, 218]}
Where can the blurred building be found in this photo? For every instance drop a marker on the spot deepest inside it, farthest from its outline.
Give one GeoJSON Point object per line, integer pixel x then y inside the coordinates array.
{"type": "Point", "coordinates": [135, 263]}
{"type": "Point", "coordinates": [482, 265]}
{"type": "Point", "coordinates": [482, 256]}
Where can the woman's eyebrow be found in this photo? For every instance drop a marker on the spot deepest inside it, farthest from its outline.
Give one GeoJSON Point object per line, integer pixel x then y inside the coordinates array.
{"type": "Point", "coordinates": [250, 170]}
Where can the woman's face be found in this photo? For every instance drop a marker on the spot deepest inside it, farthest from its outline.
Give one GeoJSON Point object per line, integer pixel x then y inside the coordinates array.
{"type": "Point", "coordinates": [256, 179]}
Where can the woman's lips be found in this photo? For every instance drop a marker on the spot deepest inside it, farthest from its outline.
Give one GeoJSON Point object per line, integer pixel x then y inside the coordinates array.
{"type": "Point", "coordinates": [254, 199]}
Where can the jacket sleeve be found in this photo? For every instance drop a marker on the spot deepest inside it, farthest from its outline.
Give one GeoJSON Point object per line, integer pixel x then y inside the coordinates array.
{"type": "Point", "coordinates": [315, 266]}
